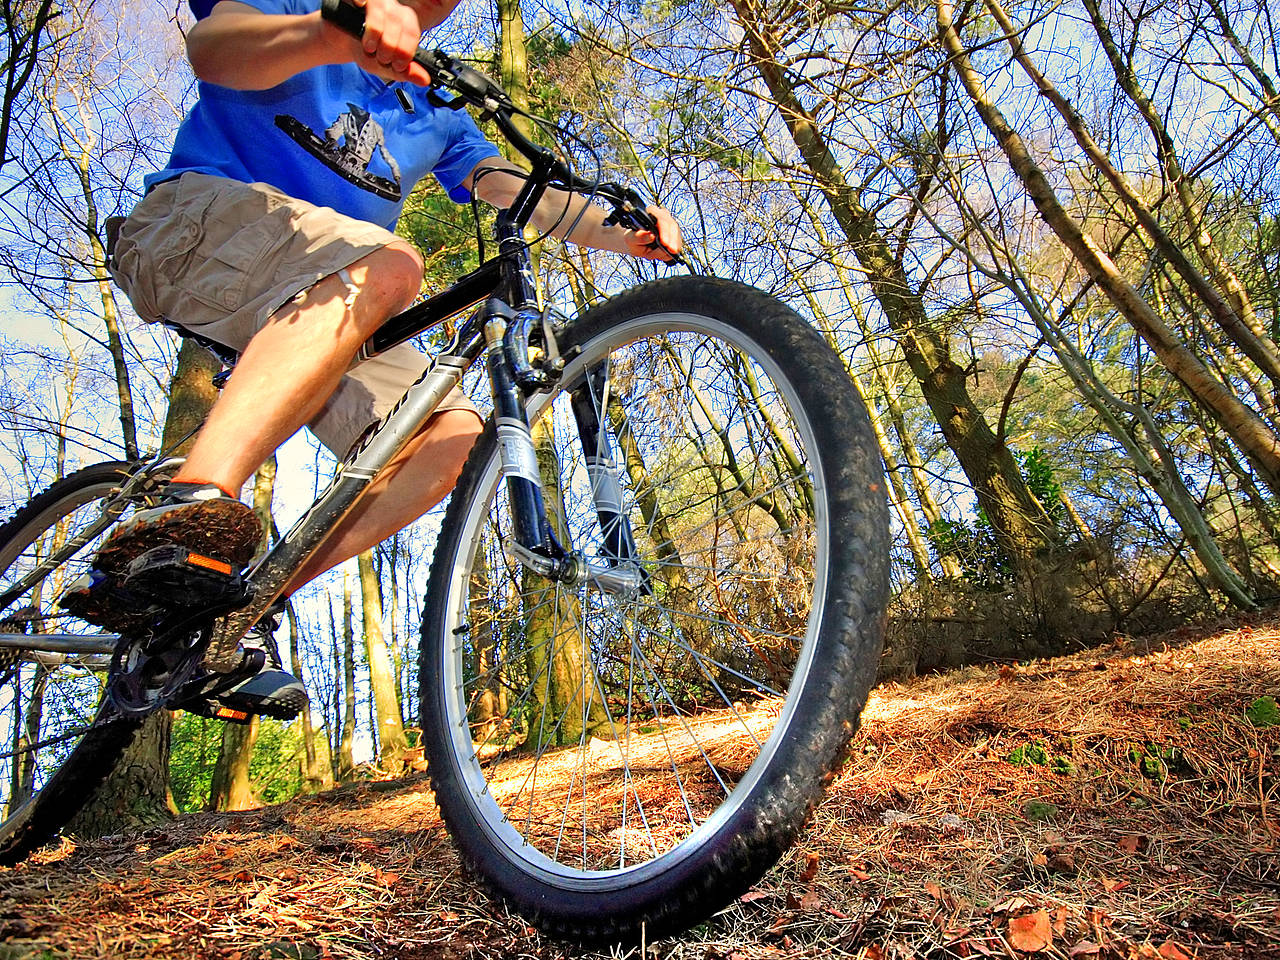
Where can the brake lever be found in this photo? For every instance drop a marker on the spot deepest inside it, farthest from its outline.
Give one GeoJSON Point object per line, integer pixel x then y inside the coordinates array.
{"type": "Point", "coordinates": [629, 211]}
{"type": "Point", "coordinates": [628, 208]}
{"type": "Point", "coordinates": [471, 85]}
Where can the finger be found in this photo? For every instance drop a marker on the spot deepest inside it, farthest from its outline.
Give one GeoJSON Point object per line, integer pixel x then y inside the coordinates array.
{"type": "Point", "coordinates": [653, 248]}
{"type": "Point", "coordinates": [375, 24]}
{"type": "Point", "coordinates": [408, 41]}
{"type": "Point", "coordinates": [417, 73]}
{"type": "Point", "coordinates": [389, 47]}
{"type": "Point", "coordinates": [668, 230]}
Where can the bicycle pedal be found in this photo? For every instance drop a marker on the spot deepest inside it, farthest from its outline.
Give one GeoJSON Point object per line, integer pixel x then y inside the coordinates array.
{"type": "Point", "coordinates": [96, 598]}
{"type": "Point", "coordinates": [216, 711]}
{"type": "Point", "coordinates": [175, 576]}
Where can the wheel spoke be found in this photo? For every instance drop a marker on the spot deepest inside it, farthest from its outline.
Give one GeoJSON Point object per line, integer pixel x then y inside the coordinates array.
{"type": "Point", "coordinates": [589, 739]}
{"type": "Point", "coordinates": [52, 680]}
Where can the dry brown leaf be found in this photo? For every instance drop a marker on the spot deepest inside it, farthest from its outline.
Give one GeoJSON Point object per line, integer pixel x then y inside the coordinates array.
{"type": "Point", "coordinates": [17, 927]}
{"type": "Point", "coordinates": [1085, 948]}
{"type": "Point", "coordinates": [933, 890]}
{"type": "Point", "coordinates": [810, 868]}
{"type": "Point", "coordinates": [1171, 951]}
{"type": "Point", "coordinates": [811, 900]}
{"type": "Point", "coordinates": [1031, 932]}
{"type": "Point", "coordinates": [1060, 918]}
{"type": "Point", "coordinates": [1062, 862]}
{"type": "Point", "coordinates": [1132, 844]}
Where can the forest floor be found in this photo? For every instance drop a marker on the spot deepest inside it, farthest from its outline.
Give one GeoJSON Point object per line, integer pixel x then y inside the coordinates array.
{"type": "Point", "coordinates": [1121, 802]}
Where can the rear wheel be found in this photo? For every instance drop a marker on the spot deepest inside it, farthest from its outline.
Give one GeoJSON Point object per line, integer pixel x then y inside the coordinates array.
{"type": "Point", "coordinates": [59, 740]}
{"type": "Point", "coordinates": [616, 760]}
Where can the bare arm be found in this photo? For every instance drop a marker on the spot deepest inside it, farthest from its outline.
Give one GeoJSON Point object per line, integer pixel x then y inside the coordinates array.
{"type": "Point", "coordinates": [241, 47]}
{"type": "Point", "coordinates": [559, 209]}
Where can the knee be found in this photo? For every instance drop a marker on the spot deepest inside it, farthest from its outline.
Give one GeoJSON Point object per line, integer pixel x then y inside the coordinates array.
{"type": "Point", "coordinates": [391, 277]}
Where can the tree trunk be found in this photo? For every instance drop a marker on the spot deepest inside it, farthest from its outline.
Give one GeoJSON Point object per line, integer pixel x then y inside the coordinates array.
{"type": "Point", "coordinates": [394, 748]}
{"type": "Point", "coordinates": [110, 316]}
{"type": "Point", "coordinates": [26, 730]}
{"type": "Point", "coordinates": [1270, 97]}
{"type": "Point", "coordinates": [136, 793]}
{"type": "Point", "coordinates": [313, 775]}
{"type": "Point", "coordinates": [1236, 318]}
{"type": "Point", "coordinates": [951, 568]}
{"type": "Point", "coordinates": [346, 761]}
{"type": "Point", "coordinates": [565, 701]}
{"type": "Point", "coordinates": [231, 788]}
{"type": "Point", "coordinates": [1153, 461]}
{"type": "Point", "coordinates": [1239, 320]}
{"type": "Point", "coordinates": [27, 36]}
{"type": "Point", "coordinates": [137, 790]}
{"type": "Point", "coordinates": [1244, 426]}
{"type": "Point", "coordinates": [1019, 523]}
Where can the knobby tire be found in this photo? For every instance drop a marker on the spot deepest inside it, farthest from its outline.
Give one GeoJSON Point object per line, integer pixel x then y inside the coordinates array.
{"type": "Point", "coordinates": [609, 867]}
{"type": "Point", "coordinates": [67, 778]}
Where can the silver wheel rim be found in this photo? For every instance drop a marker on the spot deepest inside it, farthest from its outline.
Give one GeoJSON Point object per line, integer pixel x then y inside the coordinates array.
{"type": "Point", "coordinates": [70, 683]}
{"type": "Point", "coordinates": [506, 831]}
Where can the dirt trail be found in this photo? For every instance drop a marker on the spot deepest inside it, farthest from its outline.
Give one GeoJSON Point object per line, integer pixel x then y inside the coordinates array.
{"type": "Point", "coordinates": [1118, 803]}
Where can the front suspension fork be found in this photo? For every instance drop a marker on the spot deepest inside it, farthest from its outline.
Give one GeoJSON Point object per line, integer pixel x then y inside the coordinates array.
{"type": "Point", "coordinates": [535, 544]}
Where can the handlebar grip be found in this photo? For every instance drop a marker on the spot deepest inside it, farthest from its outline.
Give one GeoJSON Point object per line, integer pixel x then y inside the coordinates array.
{"type": "Point", "coordinates": [349, 17]}
{"type": "Point", "coordinates": [344, 15]}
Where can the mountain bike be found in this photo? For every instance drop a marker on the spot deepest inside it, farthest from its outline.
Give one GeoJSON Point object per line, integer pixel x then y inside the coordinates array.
{"type": "Point", "coordinates": [653, 616]}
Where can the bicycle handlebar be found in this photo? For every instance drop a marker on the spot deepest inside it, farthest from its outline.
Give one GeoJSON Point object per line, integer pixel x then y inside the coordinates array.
{"type": "Point", "coordinates": [482, 92]}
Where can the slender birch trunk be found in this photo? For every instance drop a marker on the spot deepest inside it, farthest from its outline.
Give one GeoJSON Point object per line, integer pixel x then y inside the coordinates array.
{"type": "Point", "coordinates": [1244, 426]}
{"type": "Point", "coordinates": [346, 741]}
{"type": "Point", "coordinates": [393, 746]}
{"type": "Point", "coordinates": [1020, 525]}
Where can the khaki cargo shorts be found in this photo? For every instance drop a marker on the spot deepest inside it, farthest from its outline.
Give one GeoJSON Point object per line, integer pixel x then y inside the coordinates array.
{"type": "Point", "coordinates": [219, 257]}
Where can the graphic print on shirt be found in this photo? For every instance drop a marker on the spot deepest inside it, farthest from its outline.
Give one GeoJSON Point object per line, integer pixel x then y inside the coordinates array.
{"type": "Point", "coordinates": [347, 149]}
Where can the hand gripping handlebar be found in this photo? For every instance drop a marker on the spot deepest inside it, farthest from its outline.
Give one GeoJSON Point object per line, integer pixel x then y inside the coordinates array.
{"type": "Point", "coordinates": [476, 89]}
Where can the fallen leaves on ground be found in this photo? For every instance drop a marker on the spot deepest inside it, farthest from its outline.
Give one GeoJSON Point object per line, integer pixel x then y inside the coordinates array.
{"type": "Point", "coordinates": [926, 847]}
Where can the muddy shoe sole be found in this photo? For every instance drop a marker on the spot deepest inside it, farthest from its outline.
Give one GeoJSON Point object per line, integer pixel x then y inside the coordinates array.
{"type": "Point", "coordinates": [225, 529]}
{"type": "Point", "coordinates": [97, 605]}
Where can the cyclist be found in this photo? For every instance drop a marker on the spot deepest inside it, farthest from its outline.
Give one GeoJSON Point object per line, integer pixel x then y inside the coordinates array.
{"type": "Point", "coordinates": [270, 232]}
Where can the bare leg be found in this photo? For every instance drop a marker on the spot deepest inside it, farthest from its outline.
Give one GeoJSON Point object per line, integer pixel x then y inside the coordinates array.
{"type": "Point", "coordinates": [294, 363]}
{"type": "Point", "coordinates": [414, 482]}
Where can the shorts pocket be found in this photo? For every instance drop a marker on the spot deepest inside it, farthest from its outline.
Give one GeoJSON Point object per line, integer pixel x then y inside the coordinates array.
{"type": "Point", "coordinates": [152, 259]}
{"type": "Point", "coordinates": [241, 224]}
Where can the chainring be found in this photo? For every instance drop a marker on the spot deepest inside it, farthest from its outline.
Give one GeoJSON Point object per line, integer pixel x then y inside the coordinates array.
{"type": "Point", "coordinates": [148, 670]}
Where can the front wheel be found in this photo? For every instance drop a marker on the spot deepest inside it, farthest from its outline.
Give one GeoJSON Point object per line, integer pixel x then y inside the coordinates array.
{"type": "Point", "coordinates": [611, 761]}
{"type": "Point", "coordinates": [58, 740]}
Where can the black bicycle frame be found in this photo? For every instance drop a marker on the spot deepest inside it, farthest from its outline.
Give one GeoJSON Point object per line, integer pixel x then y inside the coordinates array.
{"type": "Point", "coordinates": [505, 290]}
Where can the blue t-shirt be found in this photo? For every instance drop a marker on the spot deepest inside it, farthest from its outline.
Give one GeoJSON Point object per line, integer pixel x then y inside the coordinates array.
{"type": "Point", "coordinates": [334, 136]}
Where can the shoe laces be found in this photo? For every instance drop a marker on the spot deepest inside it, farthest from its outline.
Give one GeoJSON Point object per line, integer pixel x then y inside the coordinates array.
{"type": "Point", "coordinates": [262, 635]}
